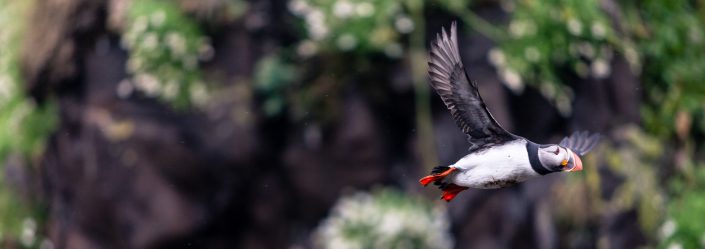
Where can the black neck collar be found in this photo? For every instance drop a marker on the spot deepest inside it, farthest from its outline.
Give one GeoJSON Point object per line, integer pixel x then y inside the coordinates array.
{"type": "Point", "coordinates": [533, 150]}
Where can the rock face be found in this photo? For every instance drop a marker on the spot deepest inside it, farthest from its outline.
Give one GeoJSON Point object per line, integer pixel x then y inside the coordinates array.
{"type": "Point", "coordinates": [134, 173]}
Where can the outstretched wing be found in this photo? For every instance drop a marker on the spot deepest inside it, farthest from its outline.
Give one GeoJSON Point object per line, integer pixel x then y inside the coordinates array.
{"type": "Point", "coordinates": [581, 142]}
{"type": "Point", "coordinates": [460, 95]}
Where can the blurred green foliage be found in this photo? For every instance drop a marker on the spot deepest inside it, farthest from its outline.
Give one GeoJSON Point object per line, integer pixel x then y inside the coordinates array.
{"type": "Point", "coordinates": [360, 26]}
{"type": "Point", "coordinates": [19, 222]}
{"type": "Point", "coordinates": [273, 75]}
{"type": "Point", "coordinates": [551, 42]}
{"type": "Point", "coordinates": [685, 226]}
{"type": "Point", "coordinates": [384, 219]}
{"type": "Point", "coordinates": [663, 43]}
{"type": "Point", "coordinates": [164, 48]}
{"type": "Point", "coordinates": [24, 126]}
{"type": "Point", "coordinates": [670, 37]}
{"type": "Point", "coordinates": [214, 12]}
{"type": "Point", "coordinates": [364, 28]}
{"type": "Point", "coordinates": [301, 93]}
{"type": "Point", "coordinates": [637, 160]}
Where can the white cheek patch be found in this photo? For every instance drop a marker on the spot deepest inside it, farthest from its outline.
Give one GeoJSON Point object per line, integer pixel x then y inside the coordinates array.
{"type": "Point", "coordinates": [548, 159]}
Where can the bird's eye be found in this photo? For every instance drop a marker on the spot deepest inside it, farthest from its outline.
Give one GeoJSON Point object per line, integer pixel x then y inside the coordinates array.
{"type": "Point", "coordinates": [558, 150]}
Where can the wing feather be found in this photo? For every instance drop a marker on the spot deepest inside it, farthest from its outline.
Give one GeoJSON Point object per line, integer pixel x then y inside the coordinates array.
{"type": "Point", "coordinates": [460, 95]}
{"type": "Point", "coordinates": [581, 142]}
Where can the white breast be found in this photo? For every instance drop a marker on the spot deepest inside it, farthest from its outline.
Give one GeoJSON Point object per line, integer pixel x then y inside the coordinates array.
{"type": "Point", "coordinates": [496, 167]}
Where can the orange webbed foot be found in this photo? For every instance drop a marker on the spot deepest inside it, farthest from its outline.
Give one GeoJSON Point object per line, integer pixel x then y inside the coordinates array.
{"type": "Point", "coordinates": [450, 191]}
{"type": "Point", "coordinates": [436, 177]}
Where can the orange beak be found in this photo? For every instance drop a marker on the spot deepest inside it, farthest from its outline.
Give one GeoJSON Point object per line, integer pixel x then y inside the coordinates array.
{"type": "Point", "coordinates": [578, 164]}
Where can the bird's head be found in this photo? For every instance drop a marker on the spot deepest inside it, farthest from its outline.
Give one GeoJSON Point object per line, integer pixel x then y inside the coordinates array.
{"type": "Point", "coordinates": [558, 158]}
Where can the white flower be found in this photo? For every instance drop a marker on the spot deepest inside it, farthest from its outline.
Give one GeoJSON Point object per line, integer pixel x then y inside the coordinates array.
{"type": "Point", "coordinates": [598, 30]}
{"type": "Point", "coordinates": [512, 80]}
{"type": "Point", "coordinates": [675, 245]}
{"type": "Point", "coordinates": [158, 18]}
{"type": "Point", "coordinates": [148, 84]}
{"type": "Point", "coordinates": [632, 57]}
{"type": "Point", "coordinates": [575, 27]}
{"type": "Point", "coordinates": [307, 48]}
{"type": "Point", "coordinates": [391, 223]}
{"type": "Point", "coordinates": [134, 64]}
{"type": "Point", "coordinates": [199, 94]}
{"type": "Point", "coordinates": [316, 25]}
{"type": "Point", "coordinates": [29, 227]}
{"type": "Point", "coordinates": [315, 17]}
{"type": "Point", "coordinates": [667, 229]}
{"type": "Point", "coordinates": [343, 243]}
{"type": "Point", "coordinates": [150, 41]}
{"type": "Point", "coordinates": [393, 50]}
{"type": "Point", "coordinates": [298, 7]}
{"type": "Point", "coordinates": [404, 24]}
{"type": "Point", "coordinates": [532, 54]}
{"type": "Point", "coordinates": [346, 42]}
{"type": "Point", "coordinates": [516, 29]}
{"type": "Point", "coordinates": [364, 9]}
{"type": "Point", "coordinates": [18, 115]}
{"type": "Point", "coordinates": [318, 32]}
{"type": "Point", "coordinates": [6, 87]}
{"type": "Point", "coordinates": [547, 89]}
{"type": "Point", "coordinates": [600, 69]}
{"type": "Point", "coordinates": [140, 25]}
{"type": "Point", "coordinates": [383, 224]}
{"type": "Point", "coordinates": [177, 43]}
{"type": "Point", "coordinates": [529, 27]}
{"type": "Point", "coordinates": [562, 102]}
{"type": "Point", "coordinates": [496, 57]}
{"type": "Point", "coordinates": [170, 90]}
{"type": "Point", "coordinates": [521, 28]}
{"type": "Point", "coordinates": [343, 9]}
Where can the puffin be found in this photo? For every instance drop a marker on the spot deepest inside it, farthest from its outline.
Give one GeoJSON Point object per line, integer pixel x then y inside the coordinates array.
{"type": "Point", "coordinates": [496, 158]}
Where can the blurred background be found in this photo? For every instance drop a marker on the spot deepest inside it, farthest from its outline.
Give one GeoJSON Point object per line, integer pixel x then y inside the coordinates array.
{"type": "Point", "coordinates": [307, 123]}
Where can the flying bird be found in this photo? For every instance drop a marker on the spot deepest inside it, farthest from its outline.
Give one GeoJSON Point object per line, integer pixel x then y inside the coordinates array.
{"type": "Point", "coordinates": [497, 158]}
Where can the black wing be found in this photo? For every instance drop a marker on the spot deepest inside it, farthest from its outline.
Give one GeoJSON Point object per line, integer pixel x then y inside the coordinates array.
{"type": "Point", "coordinates": [451, 82]}
{"type": "Point", "coordinates": [580, 142]}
